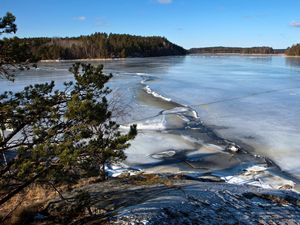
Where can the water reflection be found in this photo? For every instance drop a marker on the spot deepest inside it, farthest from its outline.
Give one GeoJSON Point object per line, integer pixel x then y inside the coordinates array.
{"type": "Point", "coordinates": [292, 61]}
{"type": "Point", "coordinates": [159, 65]}
{"type": "Point", "coordinates": [261, 59]}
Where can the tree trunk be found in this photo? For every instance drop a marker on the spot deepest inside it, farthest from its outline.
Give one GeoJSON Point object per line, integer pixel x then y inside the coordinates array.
{"type": "Point", "coordinates": [102, 171]}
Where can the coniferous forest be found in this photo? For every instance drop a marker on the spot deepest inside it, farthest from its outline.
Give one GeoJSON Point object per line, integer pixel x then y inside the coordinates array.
{"type": "Point", "coordinates": [293, 51]}
{"type": "Point", "coordinates": [100, 45]}
{"type": "Point", "coordinates": [236, 50]}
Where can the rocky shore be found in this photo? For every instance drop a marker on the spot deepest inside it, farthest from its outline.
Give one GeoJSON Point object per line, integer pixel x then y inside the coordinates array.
{"type": "Point", "coordinates": [157, 199]}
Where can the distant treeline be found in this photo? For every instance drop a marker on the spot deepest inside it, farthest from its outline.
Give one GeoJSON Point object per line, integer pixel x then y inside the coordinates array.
{"type": "Point", "coordinates": [101, 45]}
{"type": "Point", "coordinates": [293, 51]}
{"type": "Point", "coordinates": [236, 50]}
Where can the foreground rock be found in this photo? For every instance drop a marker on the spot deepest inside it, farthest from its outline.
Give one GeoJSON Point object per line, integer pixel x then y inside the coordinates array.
{"type": "Point", "coordinates": [181, 201]}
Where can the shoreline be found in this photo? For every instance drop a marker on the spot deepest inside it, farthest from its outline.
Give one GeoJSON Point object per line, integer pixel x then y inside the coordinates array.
{"type": "Point", "coordinates": [104, 59]}
{"type": "Point", "coordinates": [173, 199]}
{"type": "Point", "coordinates": [246, 166]}
{"type": "Point", "coordinates": [240, 54]}
{"type": "Point", "coordinates": [78, 60]}
{"type": "Point", "coordinates": [191, 54]}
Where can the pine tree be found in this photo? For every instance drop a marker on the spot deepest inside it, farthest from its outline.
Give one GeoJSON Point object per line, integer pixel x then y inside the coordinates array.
{"type": "Point", "coordinates": [60, 135]}
{"type": "Point", "coordinates": [14, 53]}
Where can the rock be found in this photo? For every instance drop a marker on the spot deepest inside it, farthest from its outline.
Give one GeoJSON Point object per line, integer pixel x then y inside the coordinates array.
{"type": "Point", "coordinates": [287, 187]}
{"type": "Point", "coordinates": [211, 203]}
{"type": "Point", "coordinates": [187, 202]}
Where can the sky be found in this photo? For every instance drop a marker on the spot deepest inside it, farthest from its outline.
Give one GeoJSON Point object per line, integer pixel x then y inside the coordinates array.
{"type": "Point", "coordinates": [189, 23]}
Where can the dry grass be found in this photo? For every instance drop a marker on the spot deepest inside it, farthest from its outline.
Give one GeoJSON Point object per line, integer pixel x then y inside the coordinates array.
{"type": "Point", "coordinates": [150, 179]}
{"type": "Point", "coordinates": [85, 181]}
{"type": "Point", "coordinates": [24, 214]}
{"type": "Point", "coordinates": [32, 198]}
{"type": "Point", "coordinates": [25, 205]}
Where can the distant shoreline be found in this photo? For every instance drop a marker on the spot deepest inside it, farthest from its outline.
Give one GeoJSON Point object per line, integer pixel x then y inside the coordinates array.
{"type": "Point", "coordinates": [78, 60]}
{"type": "Point", "coordinates": [240, 54]}
{"type": "Point", "coordinates": [117, 59]}
{"type": "Point", "coordinates": [103, 59]}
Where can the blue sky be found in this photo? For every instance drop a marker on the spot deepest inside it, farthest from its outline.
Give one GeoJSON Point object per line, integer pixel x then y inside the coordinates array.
{"type": "Point", "coordinates": [189, 23]}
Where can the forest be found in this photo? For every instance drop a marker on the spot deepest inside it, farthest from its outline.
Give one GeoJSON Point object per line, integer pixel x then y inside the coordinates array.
{"type": "Point", "coordinates": [100, 45]}
{"type": "Point", "coordinates": [293, 51]}
{"type": "Point", "coordinates": [236, 50]}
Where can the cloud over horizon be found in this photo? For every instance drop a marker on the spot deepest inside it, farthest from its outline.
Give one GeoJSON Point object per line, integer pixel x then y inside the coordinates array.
{"type": "Point", "coordinates": [294, 24]}
{"type": "Point", "coordinates": [164, 1]}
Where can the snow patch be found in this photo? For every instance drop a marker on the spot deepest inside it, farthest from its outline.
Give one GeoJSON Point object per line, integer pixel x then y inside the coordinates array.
{"type": "Point", "coordinates": [156, 95]}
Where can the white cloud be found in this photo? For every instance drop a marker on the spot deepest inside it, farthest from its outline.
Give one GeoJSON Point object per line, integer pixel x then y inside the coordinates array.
{"type": "Point", "coordinates": [295, 24]}
{"type": "Point", "coordinates": [80, 18]}
{"type": "Point", "coordinates": [164, 1]}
